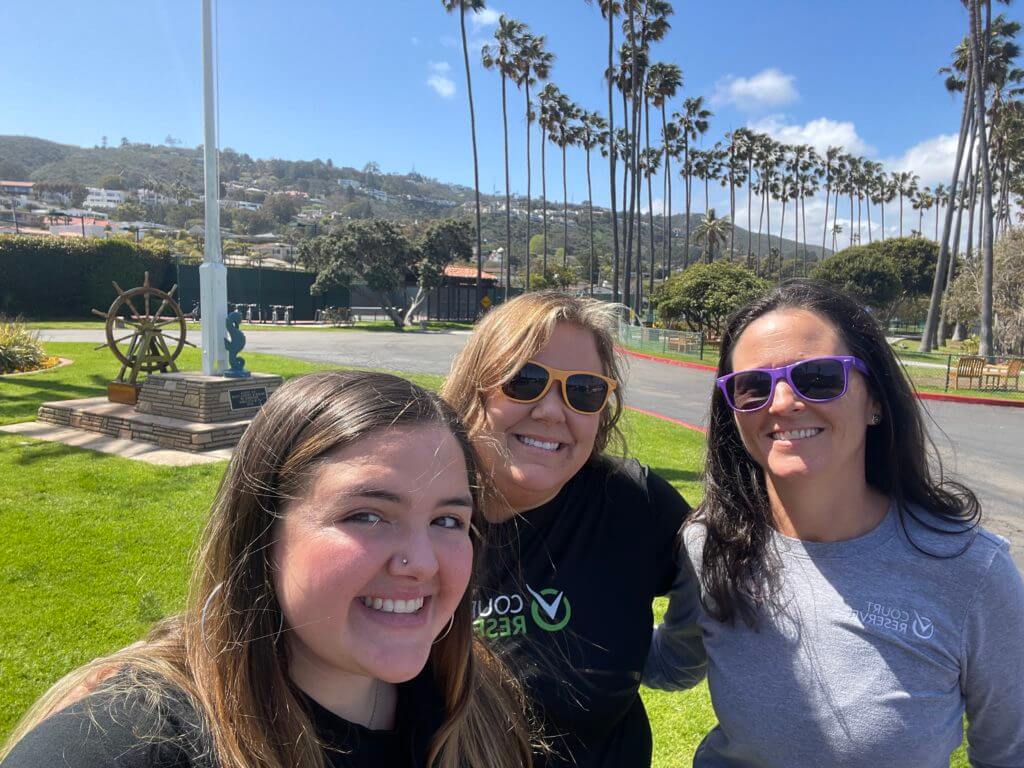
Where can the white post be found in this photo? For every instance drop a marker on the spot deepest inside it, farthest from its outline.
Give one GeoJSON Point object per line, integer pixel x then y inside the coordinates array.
{"type": "Point", "coordinates": [213, 276]}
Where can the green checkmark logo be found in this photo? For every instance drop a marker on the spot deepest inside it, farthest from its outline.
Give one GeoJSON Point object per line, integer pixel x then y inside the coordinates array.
{"type": "Point", "coordinates": [545, 609]}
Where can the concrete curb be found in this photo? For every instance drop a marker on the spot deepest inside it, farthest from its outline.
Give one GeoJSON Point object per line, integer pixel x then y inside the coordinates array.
{"type": "Point", "coordinates": [966, 399]}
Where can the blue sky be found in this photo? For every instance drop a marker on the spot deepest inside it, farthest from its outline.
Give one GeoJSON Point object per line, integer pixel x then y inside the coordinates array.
{"type": "Point", "coordinates": [350, 81]}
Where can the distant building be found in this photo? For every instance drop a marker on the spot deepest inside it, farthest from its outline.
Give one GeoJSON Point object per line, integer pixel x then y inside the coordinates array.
{"type": "Point", "coordinates": [243, 204]}
{"type": "Point", "coordinates": [349, 184]}
{"type": "Point", "coordinates": [284, 252]}
{"type": "Point", "coordinates": [104, 198]}
{"type": "Point", "coordinates": [19, 189]}
{"type": "Point", "coordinates": [152, 197]}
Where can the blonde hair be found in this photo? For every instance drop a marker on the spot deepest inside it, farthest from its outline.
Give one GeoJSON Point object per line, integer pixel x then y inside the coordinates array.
{"type": "Point", "coordinates": [224, 651]}
{"type": "Point", "coordinates": [511, 334]}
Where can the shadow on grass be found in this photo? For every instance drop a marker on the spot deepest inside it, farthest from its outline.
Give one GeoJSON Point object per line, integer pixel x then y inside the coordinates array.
{"type": "Point", "coordinates": [677, 475]}
{"type": "Point", "coordinates": [23, 396]}
{"type": "Point", "coordinates": [36, 451]}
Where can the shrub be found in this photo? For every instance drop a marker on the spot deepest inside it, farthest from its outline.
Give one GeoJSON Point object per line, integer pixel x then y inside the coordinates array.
{"type": "Point", "coordinates": [20, 348]}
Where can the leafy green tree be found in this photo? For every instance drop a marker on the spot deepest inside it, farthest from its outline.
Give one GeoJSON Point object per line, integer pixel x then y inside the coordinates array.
{"type": "Point", "coordinates": [376, 251]}
{"type": "Point", "coordinates": [704, 295]}
{"type": "Point", "coordinates": [130, 210]}
{"type": "Point", "coordinates": [914, 259]}
{"type": "Point", "coordinates": [712, 231]}
{"type": "Point", "coordinates": [863, 273]}
{"type": "Point", "coordinates": [282, 208]}
{"type": "Point", "coordinates": [441, 243]}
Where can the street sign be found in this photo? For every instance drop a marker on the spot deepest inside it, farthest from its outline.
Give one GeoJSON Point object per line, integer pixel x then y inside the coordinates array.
{"type": "Point", "coordinates": [485, 302]}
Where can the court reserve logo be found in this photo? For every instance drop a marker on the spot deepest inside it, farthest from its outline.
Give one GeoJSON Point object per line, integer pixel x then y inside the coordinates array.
{"type": "Point", "coordinates": [545, 608]}
{"type": "Point", "coordinates": [507, 615]}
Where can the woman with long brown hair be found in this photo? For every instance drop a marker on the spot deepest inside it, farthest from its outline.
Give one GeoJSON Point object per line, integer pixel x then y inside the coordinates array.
{"type": "Point", "coordinates": [582, 540]}
{"type": "Point", "coordinates": [329, 620]}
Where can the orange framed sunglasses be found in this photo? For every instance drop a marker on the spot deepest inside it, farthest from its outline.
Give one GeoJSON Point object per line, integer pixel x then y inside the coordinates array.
{"type": "Point", "coordinates": [585, 392]}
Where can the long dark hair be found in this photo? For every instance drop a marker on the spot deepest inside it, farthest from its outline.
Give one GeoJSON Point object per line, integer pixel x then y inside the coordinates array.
{"type": "Point", "coordinates": [738, 571]}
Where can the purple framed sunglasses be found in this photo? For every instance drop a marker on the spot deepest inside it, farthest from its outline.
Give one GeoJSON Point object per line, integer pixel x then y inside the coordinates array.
{"type": "Point", "coordinates": [818, 380]}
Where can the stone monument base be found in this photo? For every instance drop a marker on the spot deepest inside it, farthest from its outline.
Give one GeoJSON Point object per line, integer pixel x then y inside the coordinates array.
{"type": "Point", "coordinates": [182, 411]}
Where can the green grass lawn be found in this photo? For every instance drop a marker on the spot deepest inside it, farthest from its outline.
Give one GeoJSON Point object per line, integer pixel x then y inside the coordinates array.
{"type": "Point", "coordinates": [95, 547]}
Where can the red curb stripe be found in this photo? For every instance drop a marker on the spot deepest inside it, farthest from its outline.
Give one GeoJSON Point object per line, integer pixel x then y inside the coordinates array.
{"type": "Point", "coordinates": [663, 417]}
{"type": "Point", "coordinates": [666, 360]}
{"type": "Point", "coordinates": [967, 399]}
{"type": "Point", "coordinates": [970, 399]}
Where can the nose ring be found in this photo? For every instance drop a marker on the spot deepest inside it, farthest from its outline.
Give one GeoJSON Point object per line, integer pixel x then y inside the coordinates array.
{"type": "Point", "coordinates": [405, 561]}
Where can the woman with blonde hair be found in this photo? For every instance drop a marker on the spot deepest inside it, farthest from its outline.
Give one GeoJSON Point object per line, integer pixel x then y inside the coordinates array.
{"type": "Point", "coordinates": [329, 621]}
{"type": "Point", "coordinates": [583, 541]}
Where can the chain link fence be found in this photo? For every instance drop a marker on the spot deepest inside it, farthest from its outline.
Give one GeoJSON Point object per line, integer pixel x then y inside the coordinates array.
{"type": "Point", "coordinates": [661, 340]}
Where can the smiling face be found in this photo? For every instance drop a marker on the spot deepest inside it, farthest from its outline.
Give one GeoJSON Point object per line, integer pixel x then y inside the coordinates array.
{"type": "Point", "coordinates": [793, 438]}
{"type": "Point", "coordinates": [351, 606]}
{"type": "Point", "coordinates": [533, 449]}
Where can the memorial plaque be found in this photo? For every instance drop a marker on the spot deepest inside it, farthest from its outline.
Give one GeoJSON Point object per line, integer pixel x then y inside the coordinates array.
{"type": "Point", "coordinates": [247, 398]}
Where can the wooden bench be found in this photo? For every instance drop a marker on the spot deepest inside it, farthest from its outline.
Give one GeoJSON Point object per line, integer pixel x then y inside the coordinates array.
{"type": "Point", "coordinates": [972, 369]}
{"type": "Point", "coordinates": [998, 375]}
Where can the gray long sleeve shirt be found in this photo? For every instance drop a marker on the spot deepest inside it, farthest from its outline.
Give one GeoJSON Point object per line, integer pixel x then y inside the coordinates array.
{"type": "Point", "coordinates": [876, 653]}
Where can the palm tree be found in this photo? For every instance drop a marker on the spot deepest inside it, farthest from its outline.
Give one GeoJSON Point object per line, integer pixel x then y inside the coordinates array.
{"type": "Point", "coordinates": [885, 192]}
{"type": "Point", "coordinates": [941, 201]}
{"type": "Point", "coordinates": [534, 66]}
{"type": "Point", "coordinates": [906, 185]}
{"type": "Point", "coordinates": [475, 6]}
{"type": "Point", "coordinates": [692, 122]}
{"type": "Point", "coordinates": [567, 133]}
{"type": "Point", "coordinates": [736, 173]}
{"type": "Point", "coordinates": [593, 133]}
{"type": "Point", "coordinates": [650, 159]}
{"type": "Point", "coordinates": [662, 83]}
{"type": "Point", "coordinates": [829, 166]}
{"type": "Point", "coordinates": [870, 171]}
{"type": "Point", "coordinates": [504, 56]}
{"type": "Point", "coordinates": [922, 201]}
{"type": "Point", "coordinates": [548, 100]}
{"type": "Point", "coordinates": [711, 231]}
{"type": "Point", "coordinates": [609, 10]}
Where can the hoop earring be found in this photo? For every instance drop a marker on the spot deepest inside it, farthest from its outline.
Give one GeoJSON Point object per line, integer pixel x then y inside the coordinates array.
{"type": "Point", "coordinates": [202, 615]}
{"type": "Point", "coordinates": [443, 635]}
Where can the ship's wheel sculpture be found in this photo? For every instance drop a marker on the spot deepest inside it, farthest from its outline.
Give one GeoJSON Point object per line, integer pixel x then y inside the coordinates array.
{"type": "Point", "coordinates": [155, 338]}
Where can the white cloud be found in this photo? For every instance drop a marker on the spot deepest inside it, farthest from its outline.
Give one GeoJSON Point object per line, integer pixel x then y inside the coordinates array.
{"type": "Point", "coordinates": [440, 67]}
{"type": "Point", "coordinates": [488, 17]}
{"type": "Point", "coordinates": [931, 159]}
{"type": "Point", "coordinates": [820, 134]}
{"type": "Point", "coordinates": [444, 86]}
{"type": "Point", "coordinates": [768, 88]}
{"type": "Point", "coordinates": [414, 40]}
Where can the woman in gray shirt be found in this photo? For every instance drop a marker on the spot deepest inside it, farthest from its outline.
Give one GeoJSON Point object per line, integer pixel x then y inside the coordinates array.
{"type": "Point", "coordinates": [853, 609]}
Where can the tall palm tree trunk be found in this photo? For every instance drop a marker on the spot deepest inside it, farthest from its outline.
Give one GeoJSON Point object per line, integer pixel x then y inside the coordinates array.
{"type": "Point", "coordinates": [828, 194]}
{"type": "Point", "coordinates": [686, 193]}
{"type": "Point", "coordinates": [544, 196]}
{"type": "Point", "coordinates": [668, 191]}
{"type": "Point", "coordinates": [611, 155]}
{"type": "Point", "coordinates": [508, 194]}
{"type": "Point", "coordinates": [985, 346]}
{"type": "Point", "coordinates": [650, 193]}
{"type": "Point", "coordinates": [476, 164]}
{"type": "Point", "coordinates": [750, 176]}
{"type": "Point", "coordinates": [929, 336]}
{"type": "Point", "coordinates": [565, 212]}
{"type": "Point", "coordinates": [590, 213]}
{"type": "Point", "coordinates": [529, 178]}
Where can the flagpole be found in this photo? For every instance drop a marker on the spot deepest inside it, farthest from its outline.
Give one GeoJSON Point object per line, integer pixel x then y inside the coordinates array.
{"type": "Point", "coordinates": [213, 282]}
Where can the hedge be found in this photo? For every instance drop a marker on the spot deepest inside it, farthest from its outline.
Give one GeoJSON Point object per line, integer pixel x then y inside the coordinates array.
{"type": "Point", "coordinates": [52, 277]}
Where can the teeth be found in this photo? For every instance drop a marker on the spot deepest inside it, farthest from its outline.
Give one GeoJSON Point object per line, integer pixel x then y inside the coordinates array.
{"type": "Point", "coordinates": [796, 434]}
{"type": "Point", "coordinates": [539, 443]}
{"type": "Point", "coordinates": [387, 605]}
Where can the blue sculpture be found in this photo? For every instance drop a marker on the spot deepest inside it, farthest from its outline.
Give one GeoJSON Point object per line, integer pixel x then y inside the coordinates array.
{"type": "Point", "coordinates": [235, 343]}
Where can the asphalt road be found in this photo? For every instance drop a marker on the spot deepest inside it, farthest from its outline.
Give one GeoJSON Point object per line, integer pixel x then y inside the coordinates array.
{"type": "Point", "coordinates": [982, 446]}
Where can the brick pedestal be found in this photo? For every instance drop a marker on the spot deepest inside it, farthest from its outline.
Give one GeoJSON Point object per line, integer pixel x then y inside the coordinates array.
{"type": "Point", "coordinates": [183, 411]}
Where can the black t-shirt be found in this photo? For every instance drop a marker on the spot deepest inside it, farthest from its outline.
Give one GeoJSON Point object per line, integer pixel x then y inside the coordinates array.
{"type": "Point", "coordinates": [566, 601]}
{"type": "Point", "coordinates": [127, 731]}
